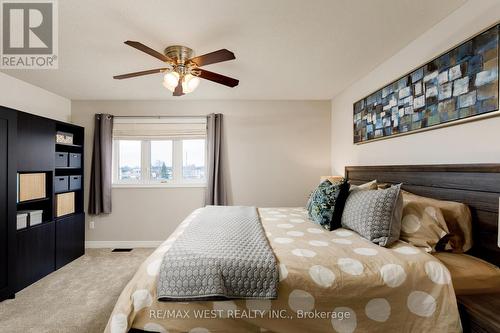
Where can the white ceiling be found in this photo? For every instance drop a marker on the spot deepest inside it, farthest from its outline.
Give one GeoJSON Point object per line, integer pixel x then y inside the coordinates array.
{"type": "Point", "coordinates": [285, 49]}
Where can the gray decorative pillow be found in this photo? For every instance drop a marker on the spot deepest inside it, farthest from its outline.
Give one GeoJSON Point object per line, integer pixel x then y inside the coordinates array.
{"type": "Point", "coordinates": [375, 214]}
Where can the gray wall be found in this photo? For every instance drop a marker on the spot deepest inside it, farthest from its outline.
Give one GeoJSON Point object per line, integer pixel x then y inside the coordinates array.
{"type": "Point", "coordinates": [472, 142]}
{"type": "Point", "coordinates": [275, 152]}
{"type": "Point", "coordinates": [22, 96]}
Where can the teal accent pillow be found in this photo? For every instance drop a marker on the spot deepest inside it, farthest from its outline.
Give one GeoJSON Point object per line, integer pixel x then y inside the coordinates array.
{"type": "Point", "coordinates": [327, 202]}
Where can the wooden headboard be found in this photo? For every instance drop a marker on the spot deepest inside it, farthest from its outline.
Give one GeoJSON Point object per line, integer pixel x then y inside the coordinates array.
{"type": "Point", "coordinates": [477, 185]}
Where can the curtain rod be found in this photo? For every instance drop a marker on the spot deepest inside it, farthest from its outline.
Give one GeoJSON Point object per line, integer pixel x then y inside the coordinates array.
{"type": "Point", "coordinates": [159, 117]}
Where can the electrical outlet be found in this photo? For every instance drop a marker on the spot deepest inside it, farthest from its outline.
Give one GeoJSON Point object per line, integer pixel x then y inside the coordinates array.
{"type": "Point", "coordinates": [91, 225]}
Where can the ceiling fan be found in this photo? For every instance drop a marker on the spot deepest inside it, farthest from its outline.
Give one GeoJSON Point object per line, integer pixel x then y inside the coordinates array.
{"type": "Point", "coordinates": [183, 71]}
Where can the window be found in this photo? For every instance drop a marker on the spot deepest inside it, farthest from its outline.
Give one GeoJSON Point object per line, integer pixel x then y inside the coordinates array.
{"type": "Point", "coordinates": [129, 160]}
{"type": "Point", "coordinates": [159, 153]}
{"type": "Point", "coordinates": [161, 160]}
{"type": "Point", "coordinates": [193, 159]}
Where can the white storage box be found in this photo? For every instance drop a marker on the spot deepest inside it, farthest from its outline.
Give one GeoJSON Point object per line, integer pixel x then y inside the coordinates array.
{"type": "Point", "coordinates": [22, 220]}
{"type": "Point", "coordinates": [35, 217]}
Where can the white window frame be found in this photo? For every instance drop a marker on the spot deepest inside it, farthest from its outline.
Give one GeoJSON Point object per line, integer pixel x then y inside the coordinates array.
{"type": "Point", "coordinates": [146, 181]}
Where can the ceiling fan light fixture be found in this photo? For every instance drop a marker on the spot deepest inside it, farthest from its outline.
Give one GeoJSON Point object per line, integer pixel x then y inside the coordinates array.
{"type": "Point", "coordinates": [171, 80]}
{"type": "Point", "coordinates": [165, 84]}
{"type": "Point", "coordinates": [183, 73]}
{"type": "Point", "coordinates": [190, 83]}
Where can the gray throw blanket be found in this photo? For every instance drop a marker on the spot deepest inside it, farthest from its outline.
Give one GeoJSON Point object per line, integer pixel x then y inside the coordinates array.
{"type": "Point", "coordinates": [222, 254]}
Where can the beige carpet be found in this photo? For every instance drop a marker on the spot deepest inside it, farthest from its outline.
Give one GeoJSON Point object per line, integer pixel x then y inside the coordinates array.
{"type": "Point", "coordinates": [77, 298]}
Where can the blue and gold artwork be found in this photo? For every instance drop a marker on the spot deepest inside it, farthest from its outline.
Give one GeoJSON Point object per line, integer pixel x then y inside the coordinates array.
{"type": "Point", "coordinates": [461, 83]}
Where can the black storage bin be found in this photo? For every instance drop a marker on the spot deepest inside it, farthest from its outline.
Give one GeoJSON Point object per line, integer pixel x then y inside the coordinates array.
{"type": "Point", "coordinates": [61, 184]}
{"type": "Point", "coordinates": [61, 160]}
{"type": "Point", "coordinates": [75, 160]}
{"type": "Point", "coordinates": [75, 183]}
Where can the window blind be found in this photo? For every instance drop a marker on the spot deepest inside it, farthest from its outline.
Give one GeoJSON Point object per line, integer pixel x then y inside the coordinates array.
{"type": "Point", "coordinates": [159, 128]}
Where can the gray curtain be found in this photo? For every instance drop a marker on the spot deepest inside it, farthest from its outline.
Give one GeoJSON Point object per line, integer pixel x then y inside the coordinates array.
{"type": "Point", "coordinates": [216, 191]}
{"type": "Point", "coordinates": [101, 171]}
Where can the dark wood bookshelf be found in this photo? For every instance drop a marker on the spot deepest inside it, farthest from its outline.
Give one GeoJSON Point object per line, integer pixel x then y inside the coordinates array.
{"type": "Point", "coordinates": [37, 250]}
{"type": "Point", "coordinates": [40, 225]}
{"type": "Point", "coordinates": [27, 202]}
{"type": "Point", "coordinates": [68, 145]}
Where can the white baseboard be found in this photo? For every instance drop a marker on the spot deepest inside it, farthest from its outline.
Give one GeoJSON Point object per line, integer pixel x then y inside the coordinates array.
{"type": "Point", "coordinates": [120, 244]}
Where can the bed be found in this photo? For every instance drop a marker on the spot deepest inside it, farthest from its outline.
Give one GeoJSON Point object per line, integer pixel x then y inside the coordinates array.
{"type": "Point", "coordinates": [331, 281]}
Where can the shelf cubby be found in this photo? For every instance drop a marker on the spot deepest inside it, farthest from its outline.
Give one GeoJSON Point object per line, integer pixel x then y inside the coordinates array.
{"type": "Point", "coordinates": [44, 204]}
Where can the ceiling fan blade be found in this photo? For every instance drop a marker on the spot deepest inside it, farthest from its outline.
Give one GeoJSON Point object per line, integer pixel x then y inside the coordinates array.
{"type": "Point", "coordinates": [148, 50]}
{"type": "Point", "coordinates": [213, 57]}
{"type": "Point", "coordinates": [221, 79]}
{"type": "Point", "coordinates": [129, 75]}
{"type": "Point", "coordinates": [178, 90]}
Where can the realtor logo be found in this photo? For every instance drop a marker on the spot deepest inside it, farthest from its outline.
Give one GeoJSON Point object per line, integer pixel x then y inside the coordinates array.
{"type": "Point", "coordinates": [29, 34]}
